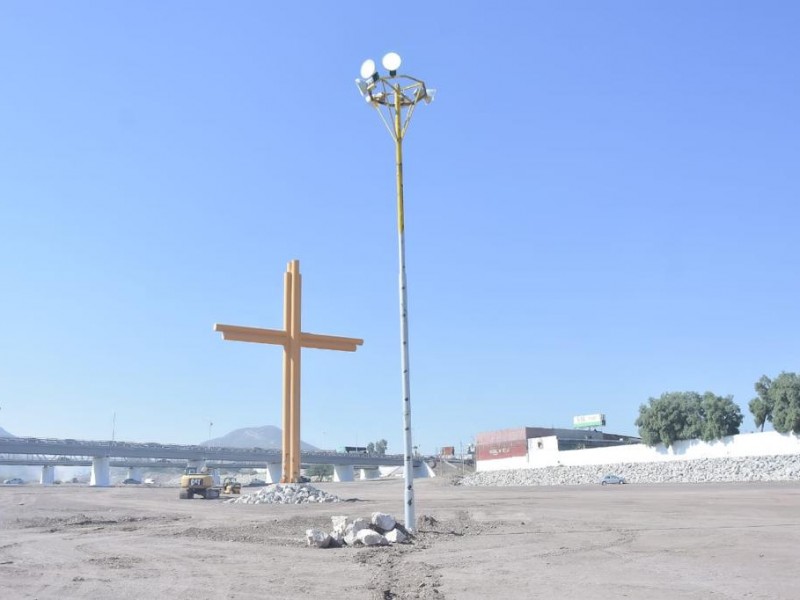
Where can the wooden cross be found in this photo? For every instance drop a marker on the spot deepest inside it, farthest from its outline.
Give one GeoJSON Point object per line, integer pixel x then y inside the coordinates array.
{"type": "Point", "coordinates": [292, 339]}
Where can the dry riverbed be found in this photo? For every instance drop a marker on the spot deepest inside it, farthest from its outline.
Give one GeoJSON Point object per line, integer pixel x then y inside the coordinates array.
{"type": "Point", "coordinates": [654, 541]}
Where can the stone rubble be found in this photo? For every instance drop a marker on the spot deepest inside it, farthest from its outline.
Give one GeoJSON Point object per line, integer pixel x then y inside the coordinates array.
{"type": "Point", "coordinates": [382, 521]}
{"type": "Point", "coordinates": [318, 538]}
{"type": "Point", "coordinates": [702, 470]}
{"type": "Point", "coordinates": [380, 530]}
{"type": "Point", "coordinates": [340, 523]}
{"type": "Point", "coordinates": [370, 537]}
{"type": "Point", "coordinates": [395, 536]}
{"type": "Point", "coordinates": [352, 528]}
{"type": "Point", "coordinates": [286, 493]}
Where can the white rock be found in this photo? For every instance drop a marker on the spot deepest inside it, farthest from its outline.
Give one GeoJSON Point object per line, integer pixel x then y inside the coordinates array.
{"type": "Point", "coordinates": [340, 523]}
{"type": "Point", "coordinates": [352, 529]}
{"type": "Point", "coordinates": [395, 536]}
{"type": "Point", "coordinates": [358, 524]}
{"type": "Point", "coordinates": [763, 468]}
{"type": "Point", "coordinates": [368, 537]}
{"type": "Point", "coordinates": [383, 521]}
{"type": "Point", "coordinates": [349, 538]}
{"type": "Point", "coordinates": [317, 538]}
{"type": "Point", "coordinates": [290, 493]}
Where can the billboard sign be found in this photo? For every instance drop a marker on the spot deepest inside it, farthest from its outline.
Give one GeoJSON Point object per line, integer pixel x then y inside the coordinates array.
{"type": "Point", "coordinates": [587, 421]}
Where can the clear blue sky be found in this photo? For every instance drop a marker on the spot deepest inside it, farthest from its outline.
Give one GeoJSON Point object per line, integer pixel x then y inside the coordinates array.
{"type": "Point", "coordinates": [601, 206]}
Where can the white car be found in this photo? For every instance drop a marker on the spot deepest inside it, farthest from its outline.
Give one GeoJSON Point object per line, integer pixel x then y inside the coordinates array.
{"type": "Point", "coordinates": [13, 481]}
{"type": "Point", "coordinates": [612, 480]}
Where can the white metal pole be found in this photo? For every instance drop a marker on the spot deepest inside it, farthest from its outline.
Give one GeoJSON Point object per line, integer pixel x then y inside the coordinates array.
{"type": "Point", "coordinates": [408, 465]}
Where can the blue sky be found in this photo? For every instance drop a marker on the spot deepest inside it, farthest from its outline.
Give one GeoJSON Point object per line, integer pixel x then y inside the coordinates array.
{"type": "Point", "coordinates": [601, 206]}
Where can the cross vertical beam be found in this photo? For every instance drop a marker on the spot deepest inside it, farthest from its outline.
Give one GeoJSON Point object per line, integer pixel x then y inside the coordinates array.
{"type": "Point", "coordinates": [293, 339]}
{"type": "Point", "coordinates": [288, 372]}
{"type": "Point", "coordinates": [295, 343]}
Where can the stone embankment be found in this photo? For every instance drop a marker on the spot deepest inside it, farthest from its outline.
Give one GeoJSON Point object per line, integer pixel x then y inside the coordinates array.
{"type": "Point", "coordinates": [705, 470]}
{"type": "Point", "coordinates": [289, 493]}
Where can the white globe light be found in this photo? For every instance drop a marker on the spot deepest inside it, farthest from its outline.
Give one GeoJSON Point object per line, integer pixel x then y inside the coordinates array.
{"type": "Point", "coordinates": [368, 68]}
{"type": "Point", "coordinates": [391, 62]}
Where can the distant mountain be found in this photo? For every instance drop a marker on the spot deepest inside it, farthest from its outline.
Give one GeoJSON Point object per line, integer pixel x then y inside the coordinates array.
{"type": "Point", "coordinates": [268, 437]}
{"type": "Point", "coordinates": [10, 471]}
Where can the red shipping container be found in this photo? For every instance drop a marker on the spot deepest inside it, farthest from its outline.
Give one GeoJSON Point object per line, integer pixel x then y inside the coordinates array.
{"type": "Point", "coordinates": [498, 450]}
{"type": "Point", "coordinates": [506, 443]}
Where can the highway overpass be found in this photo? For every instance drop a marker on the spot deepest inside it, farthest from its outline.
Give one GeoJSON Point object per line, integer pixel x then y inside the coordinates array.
{"type": "Point", "coordinates": [101, 455]}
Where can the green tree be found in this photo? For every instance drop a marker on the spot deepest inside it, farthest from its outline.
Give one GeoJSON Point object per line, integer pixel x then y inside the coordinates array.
{"type": "Point", "coordinates": [686, 416]}
{"type": "Point", "coordinates": [662, 420]}
{"type": "Point", "coordinates": [377, 448]}
{"type": "Point", "coordinates": [320, 472]}
{"type": "Point", "coordinates": [762, 405]}
{"type": "Point", "coordinates": [785, 395]}
{"type": "Point", "coordinates": [721, 417]}
{"type": "Point", "coordinates": [380, 447]}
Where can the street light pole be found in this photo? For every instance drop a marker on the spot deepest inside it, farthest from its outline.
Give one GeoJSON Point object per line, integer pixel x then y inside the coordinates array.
{"type": "Point", "coordinates": [395, 93]}
{"type": "Point", "coordinates": [408, 468]}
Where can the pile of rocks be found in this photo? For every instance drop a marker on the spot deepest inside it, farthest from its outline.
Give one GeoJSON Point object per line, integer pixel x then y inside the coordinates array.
{"type": "Point", "coordinates": [380, 530]}
{"type": "Point", "coordinates": [285, 493]}
{"type": "Point", "coordinates": [704, 470]}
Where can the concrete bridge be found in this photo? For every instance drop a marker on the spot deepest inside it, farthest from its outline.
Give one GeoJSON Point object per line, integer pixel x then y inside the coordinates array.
{"type": "Point", "coordinates": [102, 455]}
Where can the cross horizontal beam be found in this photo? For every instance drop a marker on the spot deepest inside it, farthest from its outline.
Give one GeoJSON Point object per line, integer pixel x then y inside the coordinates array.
{"type": "Point", "coordinates": [238, 333]}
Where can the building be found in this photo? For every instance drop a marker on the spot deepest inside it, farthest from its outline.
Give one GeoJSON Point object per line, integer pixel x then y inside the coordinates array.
{"type": "Point", "coordinates": [512, 448]}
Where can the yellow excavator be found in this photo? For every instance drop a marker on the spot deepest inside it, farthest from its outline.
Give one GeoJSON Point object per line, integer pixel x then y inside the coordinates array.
{"type": "Point", "coordinates": [197, 484]}
{"type": "Point", "coordinates": [231, 486]}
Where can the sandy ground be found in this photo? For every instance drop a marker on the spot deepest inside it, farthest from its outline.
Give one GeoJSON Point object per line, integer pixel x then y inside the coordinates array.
{"type": "Point", "coordinates": [635, 541]}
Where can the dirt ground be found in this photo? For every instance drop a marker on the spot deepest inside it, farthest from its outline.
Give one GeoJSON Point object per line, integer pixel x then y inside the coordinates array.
{"type": "Point", "coordinates": [633, 541]}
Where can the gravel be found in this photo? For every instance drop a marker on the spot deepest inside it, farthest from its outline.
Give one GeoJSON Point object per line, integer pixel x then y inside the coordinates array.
{"type": "Point", "coordinates": [757, 468]}
{"type": "Point", "coordinates": [289, 493]}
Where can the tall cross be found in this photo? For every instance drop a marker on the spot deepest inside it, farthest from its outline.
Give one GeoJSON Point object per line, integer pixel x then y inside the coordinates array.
{"type": "Point", "coordinates": [292, 339]}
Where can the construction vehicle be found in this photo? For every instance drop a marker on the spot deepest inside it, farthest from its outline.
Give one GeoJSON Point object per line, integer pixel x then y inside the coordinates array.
{"type": "Point", "coordinates": [197, 484]}
{"type": "Point", "coordinates": [231, 486]}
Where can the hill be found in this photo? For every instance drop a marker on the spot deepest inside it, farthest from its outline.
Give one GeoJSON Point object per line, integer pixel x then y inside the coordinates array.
{"type": "Point", "coordinates": [268, 437]}
{"type": "Point", "coordinates": [10, 471]}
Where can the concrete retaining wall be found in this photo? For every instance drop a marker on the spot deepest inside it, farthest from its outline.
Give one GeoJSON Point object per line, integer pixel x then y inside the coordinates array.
{"type": "Point", "coordinates": [541, 452]}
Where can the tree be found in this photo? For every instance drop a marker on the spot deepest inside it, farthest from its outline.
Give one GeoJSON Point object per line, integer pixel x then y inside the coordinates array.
{"type": "Point", "coordinates": [686, 416]}
{"type": "Point", "coordinates": [667, 419]}
{"type": "Point", "coordinates": [380, 447]}
{"type": "Point", "coordinates": [377, 448]}
{"type": "Point", "coordinates": [721, 417]}
{"type": "Point", "coordinates": [785, 396]}
{"type": "Point", "coordinates": [762, 406]}
{"type": "Point", "coordinates": [321, 472]}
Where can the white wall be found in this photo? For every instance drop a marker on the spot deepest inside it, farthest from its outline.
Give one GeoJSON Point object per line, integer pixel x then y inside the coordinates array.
{"type": "Point", "coordinates": [766, 443]}
{"type": "Point", "coordinates": [502, 464]}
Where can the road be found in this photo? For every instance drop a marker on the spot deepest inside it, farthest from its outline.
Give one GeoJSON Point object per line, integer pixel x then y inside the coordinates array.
{"type": "Point", "coordinates": [633, 541]}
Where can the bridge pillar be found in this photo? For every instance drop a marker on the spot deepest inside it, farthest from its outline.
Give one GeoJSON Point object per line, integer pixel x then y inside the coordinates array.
{"type": "Point", "coordinates": [274, 472]}
{"type": "Point", "coordinates": [343, 473]}
{"type": "Point", "coordinates": [101, 472]}
{"type": "Point", "coordinates": [370, 473]}
{"type": "Point", "coordinates": [215, 478]}
{"type": "Point", "coordinates": [48, 475]}
{"type": "Point", "coordinates": [135, 473]}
